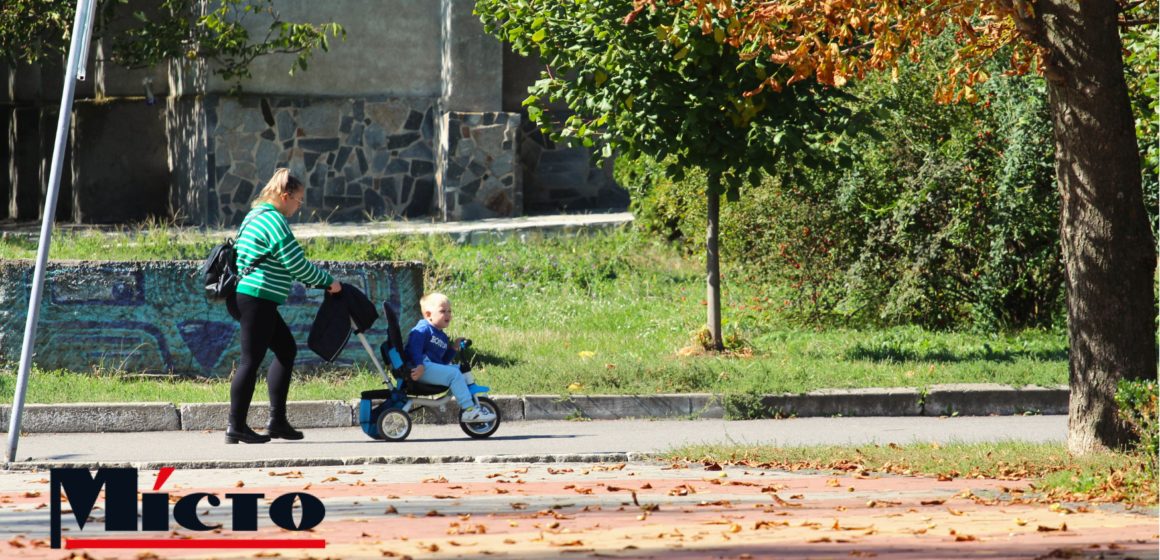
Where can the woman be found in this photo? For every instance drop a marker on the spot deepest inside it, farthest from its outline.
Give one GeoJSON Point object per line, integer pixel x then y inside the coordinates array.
{"type": "Point", "coordinates": [265, 232]}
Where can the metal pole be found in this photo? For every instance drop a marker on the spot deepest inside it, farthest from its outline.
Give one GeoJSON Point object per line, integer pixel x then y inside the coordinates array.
{"type": "Point", "coordinates": [75, 62]}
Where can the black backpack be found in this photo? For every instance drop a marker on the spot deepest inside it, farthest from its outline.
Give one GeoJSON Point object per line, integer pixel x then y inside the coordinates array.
{"type": "Point", "coordinates": [220, 271]}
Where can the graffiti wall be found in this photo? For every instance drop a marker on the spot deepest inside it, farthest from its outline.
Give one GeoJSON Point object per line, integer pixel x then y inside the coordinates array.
{"type": "Point", "coordinates": [152, 317]}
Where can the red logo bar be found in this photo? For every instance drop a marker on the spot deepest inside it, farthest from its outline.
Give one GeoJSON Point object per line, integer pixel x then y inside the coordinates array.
{"type": "Point", "coordinates": [195, 543]}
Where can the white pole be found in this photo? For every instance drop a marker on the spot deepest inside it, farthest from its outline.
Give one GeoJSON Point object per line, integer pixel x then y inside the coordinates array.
{"type": "Point", "coordinates": [75, 63]}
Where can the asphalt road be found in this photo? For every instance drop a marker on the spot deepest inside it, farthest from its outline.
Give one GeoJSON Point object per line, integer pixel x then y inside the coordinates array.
{"type": "Point", "coordinates": [543, 437]}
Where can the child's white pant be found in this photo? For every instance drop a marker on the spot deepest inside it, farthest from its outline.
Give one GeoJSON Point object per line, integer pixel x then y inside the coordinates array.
{"type": "Point", "coordinates": [448, 376]}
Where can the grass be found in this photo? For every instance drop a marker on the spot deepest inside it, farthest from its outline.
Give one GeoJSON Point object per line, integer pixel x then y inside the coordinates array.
{"type": "Point", "coordinates": [1103, 476]}
{"type": "Point", "coordinates": [609, 313]}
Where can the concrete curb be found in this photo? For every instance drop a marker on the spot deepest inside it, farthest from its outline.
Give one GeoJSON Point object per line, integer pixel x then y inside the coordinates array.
{"type": "Point", "coordinates": [977, 399]}
{"type": "Point", "coordinates": [899, 401]}
{"type": "Point", "coordinates": [95, 417]}
{"type": "Point", "coordinates": [631, 457]}
{"type": "Point", "coordinates": [302, 414]}
{"type": "Point", "coordinates": [606, 407]}
{"type": "Point", "coordinates": [983, 399]}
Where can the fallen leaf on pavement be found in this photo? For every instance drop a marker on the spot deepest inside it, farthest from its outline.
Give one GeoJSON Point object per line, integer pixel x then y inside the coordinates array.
{"type": "Point", "coordinates": [390, 510]}
{"type": "Point", "coordinates": [934, 502]}
{"type": "Point", "coordinates": [1046, 529]}
{"type": "Point", "coordinates": [439, 480]}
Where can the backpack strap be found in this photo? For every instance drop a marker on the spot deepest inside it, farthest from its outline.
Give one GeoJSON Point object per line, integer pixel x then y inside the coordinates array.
{"type": "Point", "coordinates": [261, 259]}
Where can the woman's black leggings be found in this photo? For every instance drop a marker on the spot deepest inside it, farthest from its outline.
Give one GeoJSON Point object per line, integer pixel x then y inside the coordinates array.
{"type": "Point", "coordinates": [262, 329]}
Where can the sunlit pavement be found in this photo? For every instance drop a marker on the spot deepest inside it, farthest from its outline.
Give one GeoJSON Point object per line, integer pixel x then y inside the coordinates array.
{"type": "Point", "coordinates": [470, 510]}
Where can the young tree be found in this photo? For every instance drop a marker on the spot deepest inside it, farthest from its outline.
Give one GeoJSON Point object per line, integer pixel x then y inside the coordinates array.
{"type": "Point", "coordinates": [187, 30]}
{"type": "Point", "coordinates": [1108, 247]}
{"type": "Point", "coordinates": [665, 89]}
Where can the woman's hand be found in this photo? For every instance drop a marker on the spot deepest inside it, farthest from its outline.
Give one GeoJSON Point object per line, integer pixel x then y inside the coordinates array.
{"type": "Point", "coordinates": [334, 288]}
{"type": "Point", "coordinates": [417, 372]}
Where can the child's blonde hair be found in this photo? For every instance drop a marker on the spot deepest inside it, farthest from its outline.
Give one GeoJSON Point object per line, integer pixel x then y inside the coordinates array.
{"type": "Point", "coordinates": [281, 183]}
{"type": "Point", "coordinates": [433, 301]}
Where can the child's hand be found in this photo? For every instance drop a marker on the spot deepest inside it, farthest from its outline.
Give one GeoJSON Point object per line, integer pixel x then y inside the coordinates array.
{"type": "Point", "coordinates": [417, 372]}
{"type": "Point", "coordinates": [459, 343]}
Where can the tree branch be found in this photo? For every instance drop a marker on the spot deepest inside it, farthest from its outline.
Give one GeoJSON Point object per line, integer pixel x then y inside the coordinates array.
{"type": "Point", "coordinates": [1138, 22]}
{"type": "Point", "coordinates": [1131, 5]}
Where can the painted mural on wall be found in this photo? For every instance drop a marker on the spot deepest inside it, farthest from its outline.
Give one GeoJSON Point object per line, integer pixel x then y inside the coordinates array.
{"type": "Point", "coordinates": [359, 158]}
{"type": "Point", "coordinates": [151, 316]}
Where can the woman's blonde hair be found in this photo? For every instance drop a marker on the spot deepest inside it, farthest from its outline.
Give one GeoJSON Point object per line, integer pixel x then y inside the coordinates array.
{"type": "Point", "coordinates": [281, 183]}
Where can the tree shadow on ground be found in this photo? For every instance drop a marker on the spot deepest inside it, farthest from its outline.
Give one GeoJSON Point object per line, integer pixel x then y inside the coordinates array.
{"type": "Point", "coordinates": [895, 354]}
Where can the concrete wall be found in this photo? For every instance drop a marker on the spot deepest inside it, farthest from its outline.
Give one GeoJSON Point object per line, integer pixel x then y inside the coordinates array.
{"type": "Point", "coordinates": [122, 173]}
{"type": "Point", "coordinates": [152, 317]}
{"type": "Point", "coordinates": [392, 49]}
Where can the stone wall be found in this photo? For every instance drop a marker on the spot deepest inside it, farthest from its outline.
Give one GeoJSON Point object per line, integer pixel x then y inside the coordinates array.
{"type": "Point", "coordinates": [360, 158]}
{"type": "Point", "coordinates": [557, 178]}
{"type": "Point", "coordinates": [151, 316]}
{"type": "Point", "coordinates": [478, 169]}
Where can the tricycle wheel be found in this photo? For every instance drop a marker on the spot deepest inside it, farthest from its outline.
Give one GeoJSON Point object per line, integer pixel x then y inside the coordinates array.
{"type": "Point", "coordinates": [394, 424]}
{"type": "Point", "coordinates": [480, 430]}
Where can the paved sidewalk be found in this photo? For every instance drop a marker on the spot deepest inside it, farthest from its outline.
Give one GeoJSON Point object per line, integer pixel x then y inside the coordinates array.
{"type": "Point", "coordinates": [466, 232]}
{"type": "Point", "coordinates": [586, 510]}
{"type": "Point", "coordinates": [542, 437]}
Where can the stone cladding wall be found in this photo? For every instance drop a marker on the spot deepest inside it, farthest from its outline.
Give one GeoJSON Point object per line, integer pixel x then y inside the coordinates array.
{"type": "Point", "coordinates": [359, 158]}
{"type": "Point", "coordinates": [479, 176]}
{"type": "Point", "coordinates": [557, 178]}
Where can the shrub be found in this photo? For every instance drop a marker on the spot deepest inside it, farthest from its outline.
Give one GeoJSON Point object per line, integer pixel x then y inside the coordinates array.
{"type": "Point", "coordinates": [1138, 408]}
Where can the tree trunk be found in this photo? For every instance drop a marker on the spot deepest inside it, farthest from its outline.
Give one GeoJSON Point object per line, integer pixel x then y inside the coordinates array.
{"type": "Point", "coordinates": [712, 262]}
{"type": "Point", "coordinates": [1108, 251]}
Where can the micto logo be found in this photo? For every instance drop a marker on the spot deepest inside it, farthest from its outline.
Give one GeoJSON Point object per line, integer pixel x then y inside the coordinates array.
{"type": "Point", "coordinates": [83, 487]}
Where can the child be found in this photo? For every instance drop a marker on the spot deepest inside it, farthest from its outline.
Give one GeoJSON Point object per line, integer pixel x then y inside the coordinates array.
{"type": "Point", "coordinates": [431, 351]}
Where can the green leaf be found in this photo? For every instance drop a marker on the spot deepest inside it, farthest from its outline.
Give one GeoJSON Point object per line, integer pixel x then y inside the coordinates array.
{"type": "Point", "coordinates": [539, 35]}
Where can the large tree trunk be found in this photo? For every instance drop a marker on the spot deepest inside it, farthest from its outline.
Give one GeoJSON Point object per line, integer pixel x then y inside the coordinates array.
{"type": "Point", "coordinates": [712, 262]}
{"type": "Point", "coordinates": [1108, 251]}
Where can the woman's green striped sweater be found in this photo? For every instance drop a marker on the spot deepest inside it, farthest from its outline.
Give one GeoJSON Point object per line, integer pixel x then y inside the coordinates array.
{"type": "Point", "coordinates": [268, 233]}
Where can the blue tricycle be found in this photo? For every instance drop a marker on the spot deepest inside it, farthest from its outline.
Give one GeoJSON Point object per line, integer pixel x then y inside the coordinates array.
{"type": "Point", "coordinates": [390, 420]}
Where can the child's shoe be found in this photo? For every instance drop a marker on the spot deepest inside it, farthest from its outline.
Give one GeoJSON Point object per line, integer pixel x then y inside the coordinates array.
{"type": "Point", "coordinates": [476, 414]}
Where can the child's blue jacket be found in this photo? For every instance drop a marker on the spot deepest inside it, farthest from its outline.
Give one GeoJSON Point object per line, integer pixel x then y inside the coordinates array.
{"type": "Point", "coordinates": [426, 340]}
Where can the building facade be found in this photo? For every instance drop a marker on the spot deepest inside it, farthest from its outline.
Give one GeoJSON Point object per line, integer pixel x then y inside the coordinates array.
{"type": "Point", "coordinates": [416, 115]}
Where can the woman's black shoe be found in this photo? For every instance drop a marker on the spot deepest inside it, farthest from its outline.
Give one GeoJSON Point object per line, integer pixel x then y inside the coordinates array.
{"type": "Point", "coordinates": [244, 435]}
{"type": "Point", "coordinates": [279, 427]}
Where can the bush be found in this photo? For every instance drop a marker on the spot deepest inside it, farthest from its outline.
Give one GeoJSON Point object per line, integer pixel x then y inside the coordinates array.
{"type": "Point", "coordinates": [1138, 408]}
